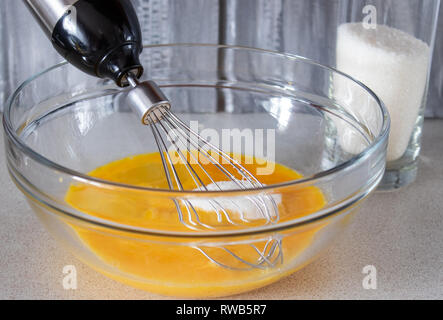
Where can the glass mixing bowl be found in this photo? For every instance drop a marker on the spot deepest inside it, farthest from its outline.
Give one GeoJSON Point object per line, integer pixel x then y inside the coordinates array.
{"type": "Point", "coordinates": [61, 124]}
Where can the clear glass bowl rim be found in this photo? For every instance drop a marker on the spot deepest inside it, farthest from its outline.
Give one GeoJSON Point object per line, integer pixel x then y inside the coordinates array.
{"type": "Point", "coordinates": [375, 146]}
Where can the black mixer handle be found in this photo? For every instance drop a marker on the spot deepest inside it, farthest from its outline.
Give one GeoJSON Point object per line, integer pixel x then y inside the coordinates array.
{"type": "Point", "coordinates": [100, 37]}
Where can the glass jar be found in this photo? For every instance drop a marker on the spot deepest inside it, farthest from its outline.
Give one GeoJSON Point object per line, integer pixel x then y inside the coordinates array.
{"type": "Point", "coordinates": [388, 45]}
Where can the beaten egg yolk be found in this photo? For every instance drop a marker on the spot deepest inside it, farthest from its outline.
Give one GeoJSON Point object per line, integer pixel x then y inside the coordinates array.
{"type": "Point", "coordinates": [178, 266]}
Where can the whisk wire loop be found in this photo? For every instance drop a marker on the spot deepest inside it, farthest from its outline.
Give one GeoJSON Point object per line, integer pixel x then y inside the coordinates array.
{"type": "Point", "coordinates": [247, 181]}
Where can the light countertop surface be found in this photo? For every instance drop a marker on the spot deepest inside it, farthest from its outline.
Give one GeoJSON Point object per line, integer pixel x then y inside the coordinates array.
{"type": "Point", "coordinates": [400, 233]}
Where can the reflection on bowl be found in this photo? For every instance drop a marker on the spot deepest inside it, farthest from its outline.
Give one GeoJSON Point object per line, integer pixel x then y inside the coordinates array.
{"type": "Point", "coordinates": [62, 124]}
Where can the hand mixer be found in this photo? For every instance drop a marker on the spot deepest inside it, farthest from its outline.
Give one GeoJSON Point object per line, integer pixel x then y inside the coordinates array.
{"type": "Point", "coordinates": [103, 38]}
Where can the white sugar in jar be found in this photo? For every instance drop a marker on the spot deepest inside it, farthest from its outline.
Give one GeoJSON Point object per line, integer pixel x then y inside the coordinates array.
{"type": "Point", "coordinates": [394, 64]}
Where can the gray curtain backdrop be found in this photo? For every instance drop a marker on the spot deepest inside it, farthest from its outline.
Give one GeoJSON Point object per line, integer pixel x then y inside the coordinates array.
{"type": "Point", "coordinates": [303, 27]}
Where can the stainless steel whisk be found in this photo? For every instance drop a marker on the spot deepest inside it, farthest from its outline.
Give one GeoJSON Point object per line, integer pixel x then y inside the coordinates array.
{"type": "Point", "coordinates": [152, 106]}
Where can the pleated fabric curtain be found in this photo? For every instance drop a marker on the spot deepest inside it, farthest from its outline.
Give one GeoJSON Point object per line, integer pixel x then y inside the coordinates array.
{"type": "Point", "coordinates": [302, 27]}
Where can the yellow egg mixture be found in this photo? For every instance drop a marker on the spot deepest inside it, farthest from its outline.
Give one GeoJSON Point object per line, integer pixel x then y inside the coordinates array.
{"type": "Point", "coordinates": [173, 266]}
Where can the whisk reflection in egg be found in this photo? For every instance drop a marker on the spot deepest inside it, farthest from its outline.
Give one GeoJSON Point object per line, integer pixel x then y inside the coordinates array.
{"type": "Point", "coordinates": [269, 255]}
